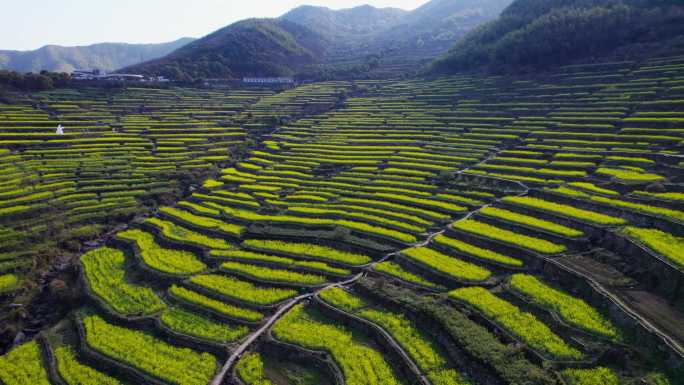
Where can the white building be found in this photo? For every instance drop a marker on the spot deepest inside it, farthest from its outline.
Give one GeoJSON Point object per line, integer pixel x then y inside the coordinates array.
{"type": "Point", "coordinates": [121, 77]}
{"type": "Point", "coordinates": [276, 80]}
{"type": "Point", "coordinates": [97, 75]}
{"type": "Point", "coordinates": [85, 75]}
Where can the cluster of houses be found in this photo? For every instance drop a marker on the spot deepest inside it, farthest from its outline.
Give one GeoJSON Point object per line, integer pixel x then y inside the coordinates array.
{"type": "Point", "coordinates": [250, 82]}
{"type": "Point", "coordinates": [278, 80]}
{"type": "Point", "coordinates": [96, 75]}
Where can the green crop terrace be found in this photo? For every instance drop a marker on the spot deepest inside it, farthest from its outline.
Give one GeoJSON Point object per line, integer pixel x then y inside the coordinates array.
{"type": "Point", "coordinates": [459, 230]}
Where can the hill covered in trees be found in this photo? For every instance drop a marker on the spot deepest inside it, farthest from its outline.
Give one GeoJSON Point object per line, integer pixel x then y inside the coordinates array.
{"type": "Point", "coordinates": [12, 80]}
{"type": "Point", "coordinates": [410, 43]}
{"type": "Point", "coordinates": [104, 56]}
{"type": "Point", "coordinates": [436, 20]}
{"type": "Point", "coordinates": [535, 34]}
{"type": "Point", "coordinates": [346, 23]}
{"type": "Point", "coordinates": [255, 47]}
{"type": "Point", "coordinates": [321, 43]}
{"type": "Point", "coordinates": [441, 22]}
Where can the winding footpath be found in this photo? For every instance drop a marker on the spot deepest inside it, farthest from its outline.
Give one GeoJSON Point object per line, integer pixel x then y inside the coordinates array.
{"type": "Point", "coordinates": [237, 353]}
{"type": "Point", "coordinates": [240, 350]}
{"type": "Point", "coordinates": [254, 336]}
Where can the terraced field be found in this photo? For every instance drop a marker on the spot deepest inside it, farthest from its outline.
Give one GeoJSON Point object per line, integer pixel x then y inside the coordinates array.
{"type": "Point", "coordinates": [463, 230]}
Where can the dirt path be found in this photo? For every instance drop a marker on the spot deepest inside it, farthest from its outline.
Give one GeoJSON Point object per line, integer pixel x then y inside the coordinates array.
{"type": "Point", "coordinates": [237, 353]}
{"type": "Point", "coordinates": [253, 337]}
{"type": "Point", "coordinates": [657, 314]}
{"type": "Point", "coordinates": [240, 350]}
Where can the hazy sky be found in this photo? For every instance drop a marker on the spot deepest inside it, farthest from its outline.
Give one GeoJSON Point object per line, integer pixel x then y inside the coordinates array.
{"type": "Point", "coordinates": [26, 24]}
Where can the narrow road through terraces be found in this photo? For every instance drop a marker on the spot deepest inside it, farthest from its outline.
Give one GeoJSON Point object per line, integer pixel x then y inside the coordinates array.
{"type": "Point", "coordinates": [240, 350]}
{"type": "Point", "coordinates": [254, 336]}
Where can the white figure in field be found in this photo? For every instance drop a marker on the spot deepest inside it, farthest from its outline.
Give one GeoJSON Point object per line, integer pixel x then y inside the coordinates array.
{"type": "Point", "coordinates": [60, 130]}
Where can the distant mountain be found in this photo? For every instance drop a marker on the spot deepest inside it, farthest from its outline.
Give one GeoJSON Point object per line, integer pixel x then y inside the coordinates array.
{"type": "Point", "coordinates": [375, 43]}
{"type": "Point", "coordinates": [320, 43]}
{"type": "Point", "coordinates": [358, 21]}
{"type": "Point", "coordinates": [535, 34]}
{"type": "Point", "coordinates": [255, 47]}
{"type": "Point", "coordinates": [106, 56]}
{"type": "Point", "coordinates": [441, 22]}
{"type": "Point", "coordinates": [405, 42]}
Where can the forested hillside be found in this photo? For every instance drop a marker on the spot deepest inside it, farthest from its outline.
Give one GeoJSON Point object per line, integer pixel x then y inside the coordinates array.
{"type": "Point", "coordinates": [255, 47]}
{"type": "Point", "coordinates": [534, 34]}
{"type": "Point", "coordinates": [442, 21]}
{"type": "Point", "coordinates": [317, 43]}
{"type": "Point", "coordinates": [346, 23]}
{"type": "Point", "coordinates": [395, 44]}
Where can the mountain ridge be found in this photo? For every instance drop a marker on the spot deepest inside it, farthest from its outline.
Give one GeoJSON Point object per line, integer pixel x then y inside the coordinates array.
{"type": "Point", "coordinates": [364, 19]}
{"type": "Point", "coordinates": [536, 34]}
{"type": "Point", "coordinates": [252, 47]}
{"type": "Point", "coordinates": [104, 56]}
{"type": "Point", "coordinates": [356, 42]}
